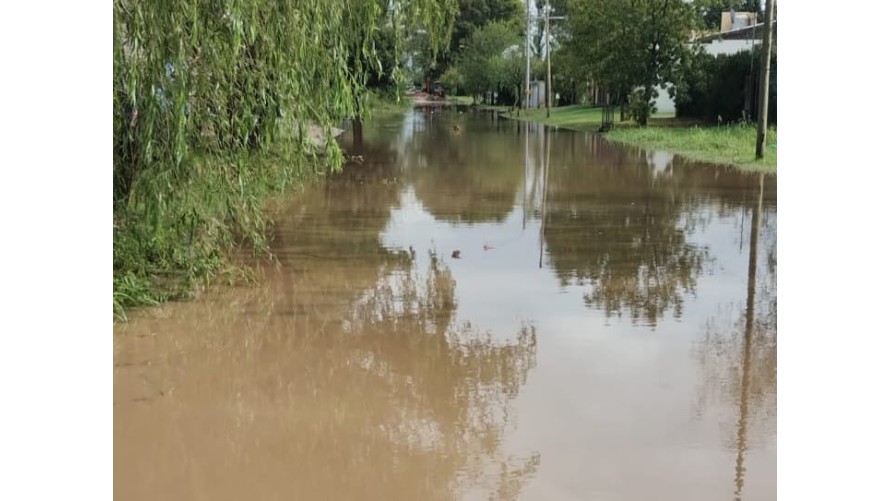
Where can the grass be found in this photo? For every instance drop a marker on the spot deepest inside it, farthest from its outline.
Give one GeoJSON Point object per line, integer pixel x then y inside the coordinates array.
{"type": "Point", "coordinates": [494, 107]}
{"type": "Point", "coordinates": [382, 105]}
{"type": "Point", "coordinates": [728, 144]}
{"type": "Point", "coordinates": [170, 243]}
{"type": "Point", "coordinates": [170, 246]}
{"type": "Point", "coordinates": [460, 99]}
{"type": "Point", "coordinates": [578, 117]}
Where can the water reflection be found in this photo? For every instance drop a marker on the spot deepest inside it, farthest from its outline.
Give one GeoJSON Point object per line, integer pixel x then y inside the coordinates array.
{"type": "Point", "coordinates": [456, 378]}
{"type": "Point", "coordinates": [366, 363]}
{"type": "Point", "coordinates": [617, 226]}
{"type": "Point", "coordinates": [461, 172]}
{"type": "Point", "coordinates": [344, 374]}
{"type": "Point", "coordinates": [739, 349]}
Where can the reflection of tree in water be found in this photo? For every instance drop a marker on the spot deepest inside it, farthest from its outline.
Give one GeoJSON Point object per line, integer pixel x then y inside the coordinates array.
{"type": "Point", "coordinates": [739, 351]}
{"type": "Point", "coordinates": [399, 398]}
{"type": "Point", "coordinates": [454, 382]}
{"type": "Point", "coordinates": [616, 227]}
{"type": "Point", "coordinates": [349, 379]}
{"type": "Point", "coordinates": [470, 174]}
{"type": "Point", "coordinates": [345, 217]}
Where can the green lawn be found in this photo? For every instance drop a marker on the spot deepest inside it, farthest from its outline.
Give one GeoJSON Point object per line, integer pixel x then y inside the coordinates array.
{"type": "Point", "coordinates": [580, 117]}
{"type": "Point", "coordinates": [727, 144]}
{"type": "Point", "coordinates": [384, 105]}
{"type": "Point", "coordinates": [460, 99]}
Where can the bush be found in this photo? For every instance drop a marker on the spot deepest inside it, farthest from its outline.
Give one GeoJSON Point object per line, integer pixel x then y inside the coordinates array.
{"type": "Point", "coordinates": [641, 107]}
{"type": "Point", "coordinates": [715, 88]}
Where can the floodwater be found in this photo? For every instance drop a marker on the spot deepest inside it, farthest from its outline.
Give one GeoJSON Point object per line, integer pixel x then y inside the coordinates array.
{"type": "Point", "coordinates": [608, 332]}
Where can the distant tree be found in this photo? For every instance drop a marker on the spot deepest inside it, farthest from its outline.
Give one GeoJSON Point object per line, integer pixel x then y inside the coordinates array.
{"type": "Point", "coordinates": [473, 15]}
{"type": "Point", "coordinates": [484, 60]}
{"type": "Point", "coordinates": [570, 75]}
{"type": "Point", "coordinates": [711, 86]}
{"type": "Point", "coordinates": [512, 74]}
{"type": "Point", "coordinates": [453, 80]}
{"type": "Point", "coordinates": [630, 46]}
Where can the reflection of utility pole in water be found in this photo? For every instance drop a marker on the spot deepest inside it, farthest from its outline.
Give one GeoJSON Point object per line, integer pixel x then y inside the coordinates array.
{"type": "Point", "coordinates": [546, 133]}
{"type": "Point", "coordinates": [525, 177]}
{"type": "Point", "coordinates": [742, 439]}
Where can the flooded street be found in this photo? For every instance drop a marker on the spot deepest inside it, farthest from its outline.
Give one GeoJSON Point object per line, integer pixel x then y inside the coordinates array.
{"type": "Point", "coordinates": [476, 308]}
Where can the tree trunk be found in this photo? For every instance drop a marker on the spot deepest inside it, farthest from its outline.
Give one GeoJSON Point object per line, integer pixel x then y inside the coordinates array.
{"type": "Point", "coordinates": [357, 136]}
{"type": "Point", "coordinates": [647, 96]}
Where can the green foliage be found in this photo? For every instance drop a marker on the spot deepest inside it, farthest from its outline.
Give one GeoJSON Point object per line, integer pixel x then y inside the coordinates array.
{"type": "Point", "coordinates": [714, 88]}
{"type": "Point", "coordinates": [728, 144]}
{"type": "Point", "coordinates": [629, 44]}
{"type": "Point", "coordinates": [213, 107]}
{"type": "Point", "coordinates": [453, 80]}
{"type": "Point", "coordinates": [576, 117]}
{"type": "Point", "coordinates": [492, 59]}
{"type": "Point", "coordinates": [475, 14]}
{"type": "Point", "coordinates": [641, 106]}
{"type": "Point", "coordinates": [570, 78]}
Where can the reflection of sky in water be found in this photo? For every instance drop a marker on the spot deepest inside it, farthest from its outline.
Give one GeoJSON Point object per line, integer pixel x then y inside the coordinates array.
{"type": "Point", "coordinates": [324, 366]}
{"type": "Point", "coordinates": [610, 401]}
{"type": "Point", "coordinates": [625, 392]}
{"type": "Point", "coordinates": [504, 285]}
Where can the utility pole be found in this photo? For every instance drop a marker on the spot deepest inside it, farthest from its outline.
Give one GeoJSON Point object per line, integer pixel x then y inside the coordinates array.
{"type": "Point", "coordinates": [547, 42]}
{"type": "Point", "coordinates": [549, 85]}
{"type": "Point", "coordinates": [767, 47]}
{"type": "Point", "coordinates": [528, 64]}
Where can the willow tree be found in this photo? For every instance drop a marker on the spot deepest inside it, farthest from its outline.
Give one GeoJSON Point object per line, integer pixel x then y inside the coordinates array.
{"type": "Point", "coordinates": [199, 84]}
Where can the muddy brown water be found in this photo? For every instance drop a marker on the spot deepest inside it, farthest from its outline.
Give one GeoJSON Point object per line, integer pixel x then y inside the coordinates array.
{"type": "Point", "coordinates": [607, 333]}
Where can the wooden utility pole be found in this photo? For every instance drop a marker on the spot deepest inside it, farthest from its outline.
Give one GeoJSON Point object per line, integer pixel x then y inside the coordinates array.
{"type": "Point", "coordinates": [547, 42]}
{"type": "Point", "coordinates": [767, 47]}
{"type": "Point", "coordinates": [528, 45]}
{"type": "Point", "coordinates": [549, 85]}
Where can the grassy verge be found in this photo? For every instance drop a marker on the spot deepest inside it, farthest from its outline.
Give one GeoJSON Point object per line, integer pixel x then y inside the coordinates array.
{"type": "Point", "coordinates": [384, 105]}
{"type": "Point", "coordinates": [180, 227]}
{"type": "Point", "coordinates": [168, 247]}
{"type": "Point", "coordinates": [170, 243]}
{"type": "Point", "coordinates": [728, 144]}
{"type": "Point", "coordinates": [493, 107]}
{"type": "Point", "coordinates": [460, 100]}
{"type": "Point", "coordinates": [577, 117]}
